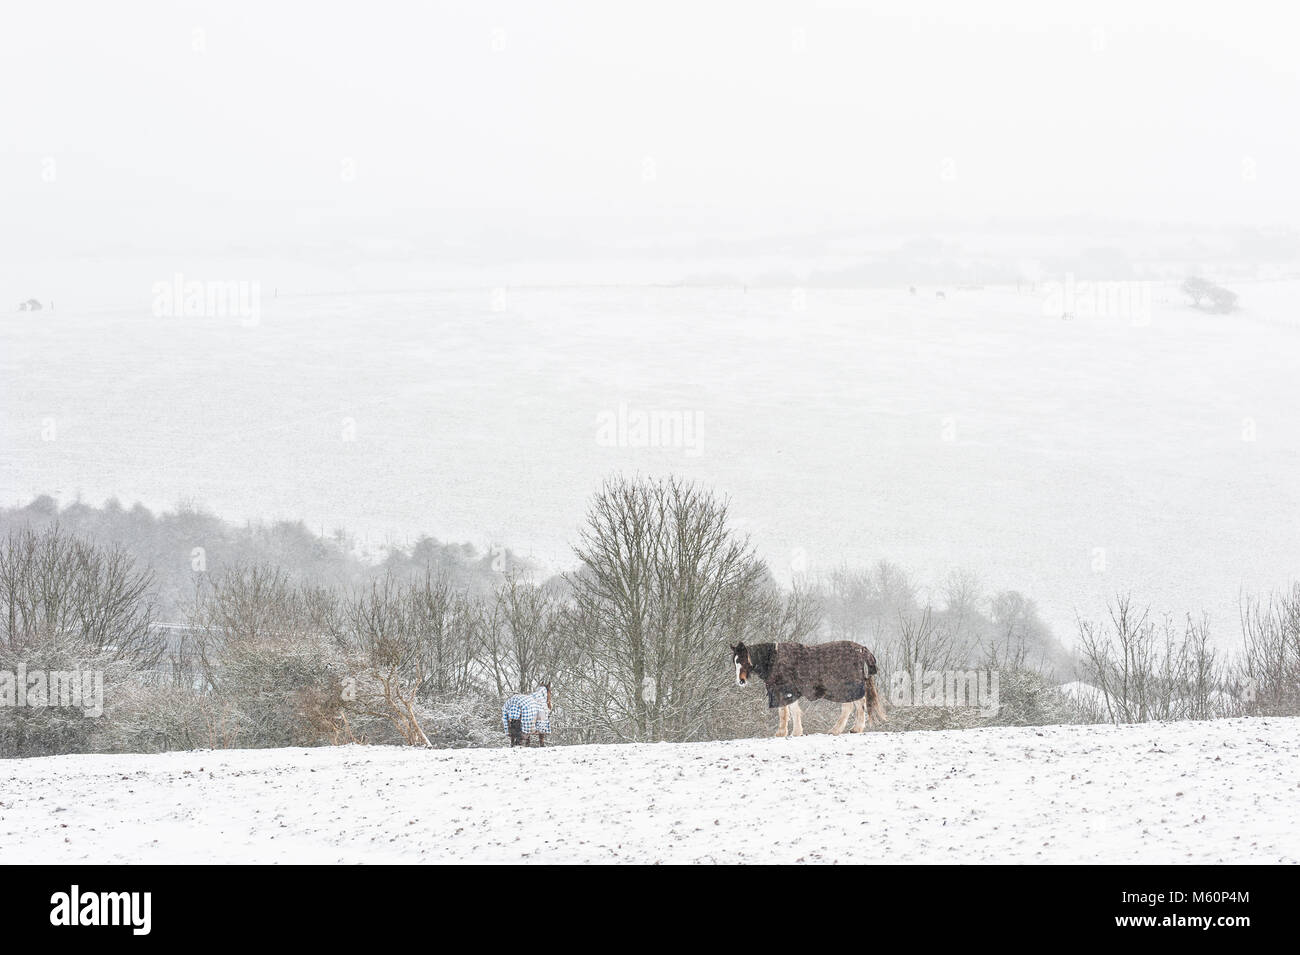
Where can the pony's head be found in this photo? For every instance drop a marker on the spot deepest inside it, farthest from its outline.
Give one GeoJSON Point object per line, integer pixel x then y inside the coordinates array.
{"type": "Point", "coordinates": [740, 657]}
{"type": "Point", "coordinates": [549, 705]}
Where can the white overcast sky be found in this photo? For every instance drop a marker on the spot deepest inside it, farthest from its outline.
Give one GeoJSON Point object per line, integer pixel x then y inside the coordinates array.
{"type": "Point", "coordinates": [757, 117]}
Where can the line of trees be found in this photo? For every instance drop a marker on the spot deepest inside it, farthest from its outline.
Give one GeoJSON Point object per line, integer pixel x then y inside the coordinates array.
{"type": "Point", "coordinates": [1138, 667]}
{"type": "Point", "coordinates": [186, 542]}
{"type": "Point", "coordinates": [633, 642]}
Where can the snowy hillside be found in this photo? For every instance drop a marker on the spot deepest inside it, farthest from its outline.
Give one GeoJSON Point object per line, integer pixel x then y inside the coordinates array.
{"type": "Point", "coordinates": [1223, 791]}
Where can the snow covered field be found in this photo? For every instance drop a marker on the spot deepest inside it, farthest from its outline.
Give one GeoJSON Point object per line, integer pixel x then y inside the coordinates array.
{"type": "Point", "coordinates": [1223, 791]}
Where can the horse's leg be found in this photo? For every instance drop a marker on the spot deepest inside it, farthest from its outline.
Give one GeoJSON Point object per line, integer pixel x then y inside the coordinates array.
{"type": "Point", "coordinates": [541, 739]}
{"type": "Point", "coordinates": [845, 710]}
{"type": "Point", "coordinates": [798, 719]}
{"type": "Point", "coordinates": [780, 730]}
{"type": "Point", "coordinates": [860, 715]}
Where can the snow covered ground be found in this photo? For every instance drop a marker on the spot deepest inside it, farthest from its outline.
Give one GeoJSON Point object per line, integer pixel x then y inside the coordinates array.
{"type": "Point", "coordinates": [1223, 791]}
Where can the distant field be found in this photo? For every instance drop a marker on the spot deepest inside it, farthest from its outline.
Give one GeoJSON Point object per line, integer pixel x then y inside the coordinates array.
{"type": "Point", "coordinates": [979, 432]}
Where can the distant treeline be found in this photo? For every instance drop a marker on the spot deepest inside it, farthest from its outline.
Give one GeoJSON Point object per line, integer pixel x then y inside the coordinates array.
{"type": "Point", "coordinates": [181, 546]}
{"type": "Point", "coordinates": [275, 636]}
{"type": "Point", "coordinates": [122, 630]}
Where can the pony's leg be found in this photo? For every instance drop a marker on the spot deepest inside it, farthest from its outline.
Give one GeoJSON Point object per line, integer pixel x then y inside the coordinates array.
{"type": "Point", "coordinates": [541, 739]}
{"type": "Point", "coordinates": [780, 730]}
{"type": "Point", "coordinates": [798, 719]}
{"type": "Point", "coordinates": [860, 715]}
{"type": "Point", "coordinates": [845, 710]}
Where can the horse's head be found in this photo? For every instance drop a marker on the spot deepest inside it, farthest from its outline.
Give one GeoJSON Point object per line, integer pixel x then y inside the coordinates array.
{"type": "Point", "coordinates": [549, 705]}
{"type": "Point", "coordinates": [740, 657]}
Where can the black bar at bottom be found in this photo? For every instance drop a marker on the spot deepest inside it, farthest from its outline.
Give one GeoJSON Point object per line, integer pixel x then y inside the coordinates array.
{"type": "Point", "coordinates": [333, 904]}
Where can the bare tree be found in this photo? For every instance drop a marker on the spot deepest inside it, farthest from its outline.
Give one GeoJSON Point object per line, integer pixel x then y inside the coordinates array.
{"type": "Point", "coordinates": [56, 589]}
{"type": "Point", "coordinates": [771, 614]}
{"type": "Point", "coordinates": [446, 630]}
{"type": "Point", "coordinates": [1148, 669]}
{"type": "Point", "coordinates": [922, 644]}
{"type": "Point", "coordinates": [392, 658]}
{"type": "Point", "coordinates": [67, 605]}
{"type": "Point", "coordinates": [1270, 666]}
{"type": "Point", "coordinates": [1119, 660]}
{"type": "Point", "coordinates": [661, 572]}
{"type": "Point", "coordinates": [962, 595]}
{"type": "Point", "coordinates": [864, 604]}
{"type": "Point", "coordinates": [521, 635]}
{"type": "Point", "coordinates": [1203, 673]}
{"type": "Point", "coordinates": [271, 654]}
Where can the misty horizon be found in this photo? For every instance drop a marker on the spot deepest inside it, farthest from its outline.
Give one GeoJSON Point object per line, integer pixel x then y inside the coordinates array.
{"type": "Point", "coordinates": [242, 124]}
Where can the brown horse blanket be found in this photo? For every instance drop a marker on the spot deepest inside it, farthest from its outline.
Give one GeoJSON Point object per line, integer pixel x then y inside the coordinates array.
{"type": "Point", "coordinates": [822, 671]}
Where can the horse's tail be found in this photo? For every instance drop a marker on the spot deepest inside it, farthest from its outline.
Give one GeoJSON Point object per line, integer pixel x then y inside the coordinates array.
{"type": "Point", "coordinates": [875, 708]}
{"type": "Point", "coordinates": [516, 732]}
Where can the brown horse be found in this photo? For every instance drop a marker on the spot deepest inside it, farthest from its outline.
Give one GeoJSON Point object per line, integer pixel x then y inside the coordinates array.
{"type": "Point", "coordinates": [843, 672]}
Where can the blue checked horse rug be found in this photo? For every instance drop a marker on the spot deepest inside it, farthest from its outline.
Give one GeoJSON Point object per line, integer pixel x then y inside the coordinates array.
{"type": "Point", "coordinates": [530, 709]}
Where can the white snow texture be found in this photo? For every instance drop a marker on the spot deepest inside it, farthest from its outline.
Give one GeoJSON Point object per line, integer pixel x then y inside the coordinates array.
{"type": "Point", "coordinates": [1220, 791]}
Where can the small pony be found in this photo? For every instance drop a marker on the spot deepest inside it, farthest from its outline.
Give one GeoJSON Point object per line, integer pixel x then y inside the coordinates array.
{"type": "Point", "coordinates": [527, 713]}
